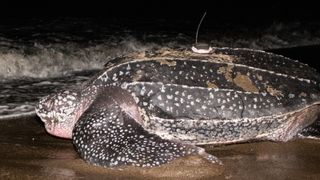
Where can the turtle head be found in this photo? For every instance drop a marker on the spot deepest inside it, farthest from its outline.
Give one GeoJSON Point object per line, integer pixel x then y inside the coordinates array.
{"type": "Point", "coordinates": [59, 112]}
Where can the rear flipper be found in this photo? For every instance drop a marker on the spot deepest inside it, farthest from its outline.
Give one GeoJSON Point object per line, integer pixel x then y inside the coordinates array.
{"type": "Point", "coordinates": [301, 124]}
{"type": "Point", "coordinates": [312, 131]}
{"type": "Point", "coordinates": [106, 135]}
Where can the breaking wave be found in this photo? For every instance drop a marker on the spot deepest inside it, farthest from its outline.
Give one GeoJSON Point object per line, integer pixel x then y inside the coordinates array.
{"type": "Point", "coordinates": [45, 48]}
{"type": "Point", "coordinates": [41, 56]}
{"type": "Point", "coordinates": [60, 59]}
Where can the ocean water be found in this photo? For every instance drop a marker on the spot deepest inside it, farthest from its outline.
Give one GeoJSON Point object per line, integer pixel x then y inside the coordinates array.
{"type": "Point", "coordinates": [41, 56]}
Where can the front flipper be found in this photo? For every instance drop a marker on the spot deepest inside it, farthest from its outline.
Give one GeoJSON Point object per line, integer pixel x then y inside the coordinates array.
{"type": "Point", "coordinates": [106, 135]}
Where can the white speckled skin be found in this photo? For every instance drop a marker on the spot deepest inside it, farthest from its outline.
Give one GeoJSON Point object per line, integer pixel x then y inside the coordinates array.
{"type": "Point", "coordinates": [147, 112]}
{"type": "Point", "coordinates": [59, 112]}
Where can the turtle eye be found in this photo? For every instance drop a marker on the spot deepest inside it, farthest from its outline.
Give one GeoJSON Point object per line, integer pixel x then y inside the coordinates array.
{"type": "Point", "coordinates": [45, 105]}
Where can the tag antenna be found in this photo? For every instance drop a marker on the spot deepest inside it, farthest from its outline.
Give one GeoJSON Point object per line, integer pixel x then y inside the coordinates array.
{"type": "Point", "coordinates": [199, 26]}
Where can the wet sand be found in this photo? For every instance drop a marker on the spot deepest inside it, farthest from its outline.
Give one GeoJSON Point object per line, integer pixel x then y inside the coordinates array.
{"type": "Point", "coordinates": [28, 152]}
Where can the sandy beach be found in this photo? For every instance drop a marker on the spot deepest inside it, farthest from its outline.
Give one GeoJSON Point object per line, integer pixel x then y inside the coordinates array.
{"type": "Point", "coordinates": [28, 152]}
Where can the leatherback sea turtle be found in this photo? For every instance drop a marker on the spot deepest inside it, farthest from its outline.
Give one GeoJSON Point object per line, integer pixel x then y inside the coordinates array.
{"type": "Point", "coordinates": [150, 109]}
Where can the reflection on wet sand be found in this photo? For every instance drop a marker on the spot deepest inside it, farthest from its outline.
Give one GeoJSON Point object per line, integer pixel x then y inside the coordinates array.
{"type": "Point", "coordinates": [27, 152]}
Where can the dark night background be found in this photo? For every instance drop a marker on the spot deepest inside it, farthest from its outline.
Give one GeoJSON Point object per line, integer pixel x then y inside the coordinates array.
{"type": "Point", "coordinates": [221, 11]}
{"type": "Point", "coordinates": [182, 16]}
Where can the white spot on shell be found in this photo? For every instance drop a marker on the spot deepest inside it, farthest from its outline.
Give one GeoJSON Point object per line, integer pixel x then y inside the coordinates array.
{"type": "Point", "coordinates": [291, 95]}
{"type": "Point", "coordinates": [128, 67]}
{"type": "Point", "coordinates": [169, 96]}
